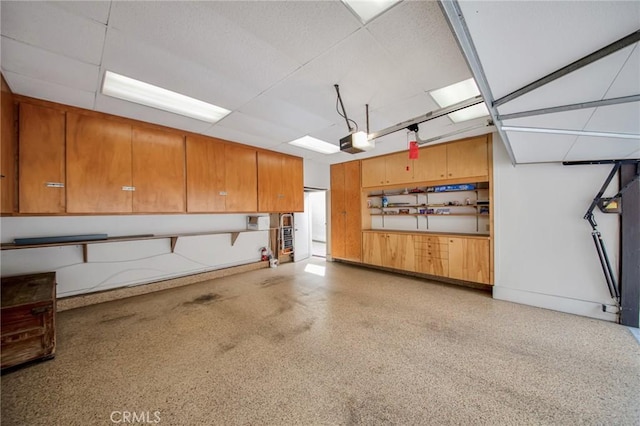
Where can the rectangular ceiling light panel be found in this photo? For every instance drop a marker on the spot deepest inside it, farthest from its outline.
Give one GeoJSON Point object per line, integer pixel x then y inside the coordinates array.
{"type": "Point", "coordinates": [129, 89]}
{"type": "Point", "coordinates": [459, 92]}
{"type": "Point", "coordinates": [366, 10]}
{"type": "Point", "coordinates": [308, 142]}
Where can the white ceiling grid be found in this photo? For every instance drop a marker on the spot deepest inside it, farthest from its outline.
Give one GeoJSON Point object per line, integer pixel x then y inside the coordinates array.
{"type": "Point", "coordinates": [274, 64]}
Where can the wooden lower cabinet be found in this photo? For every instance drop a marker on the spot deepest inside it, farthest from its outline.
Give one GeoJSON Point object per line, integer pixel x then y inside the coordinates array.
{"type": "Point", "coordinates": [469, 259]}
{"type": "Point", "coordinates": [462, 258]}
{"type": "Point", "coordinates": [28, 318]}
{"type": "Point", "coordinates": [390, 250]}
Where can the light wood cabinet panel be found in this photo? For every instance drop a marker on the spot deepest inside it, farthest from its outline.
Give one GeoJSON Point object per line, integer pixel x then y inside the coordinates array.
{"type": "Point", "coordinates": [206, 171]}
{"type": "Point", "coordinates": [373, 248]}
{"type": "Point", "coordinates": [399, 252]}
{"type": "Point", "coordinates": [398, 169]}
{"type": "Point", "coordinates": [431, 164]}
{"type": "Point", "coordinates": [241, 179]}
{"type": "Point", "coordinates": [431, 254]}
{"type": "Point", "coordinates": [373, 172]}
{"type": "Point", "coordinates": [269, 181]}
{"type": "Point", "coordinates": [469, 259]}
{"type": "Point", "coordinates": [280, 183]}
{"type": "Point", "coordinates": [158, 160]}
{"type": "Point", "coordinates": [468, 158]}
{"type": "Point", "coordinates": [346, 219]}
{"type": "Point", "coordinates": [98, 165]}
{"type": "Point", "coordinates": [8, 178]}
{"type": "Point", "coordinates": [42, 160]}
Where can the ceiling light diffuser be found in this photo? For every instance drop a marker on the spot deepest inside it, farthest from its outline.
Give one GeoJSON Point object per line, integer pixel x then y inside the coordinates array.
{"type": "Point", "coordinates": [458, 92]}
{"type": "Point", "coordinates": [313, 144]}
{"type": "Point", "coordinates": [571, 132]}
{"type": "Point", "coordinates": [129, 89]}
{"type": "Point", "coordinates": [366, 10]}
{"type": "Point", "coordinates": [455, 93]}
{"type": "Point", "coordinates": [469, 113]}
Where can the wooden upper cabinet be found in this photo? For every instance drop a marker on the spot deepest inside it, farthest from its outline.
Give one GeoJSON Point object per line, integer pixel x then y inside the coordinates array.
{"type": "Point", "coordinates": [431, 164]}
{"type": "Point", "coordinates": [241, 179]}
{"type": "Point", "coordinates": [42, 160]}
{"type": "Point", "coordinates": [468, 158]}
{"type": "Point", "coordinates": [398, 169]}
{"type": "Point", "coordinates": [98, 165]}
{"type": "Point", "coordinates": [205, 175]}
{"type": "Point", "coordinates": [373, 172]}
{"type": "Point", "coordinates": [221, 177]}
{"type": "Point", "coordinates": [158, 171]}
{"type": "Point", "coordinates": [280, 183]}
{"type": "Point", "coordinates": [8, 178]}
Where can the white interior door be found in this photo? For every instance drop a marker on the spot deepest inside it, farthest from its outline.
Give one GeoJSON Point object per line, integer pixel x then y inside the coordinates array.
{"type": "Point", "coordinates": [302, 232]}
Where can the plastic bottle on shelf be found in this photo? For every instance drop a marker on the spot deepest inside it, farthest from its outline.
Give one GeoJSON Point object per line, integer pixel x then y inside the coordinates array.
{"type": "Point", "coordinates": [385, 201]}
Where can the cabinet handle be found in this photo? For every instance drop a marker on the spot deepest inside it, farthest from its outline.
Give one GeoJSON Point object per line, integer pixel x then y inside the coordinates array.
{"type": "Point", "coordinates": [128, 188]}
{"type": "Point", "coordinates": [54, 184]}
{"type": "Point", "coordinates": [2, 176]}
{"type": "Point", "coordinates": [40, 310]}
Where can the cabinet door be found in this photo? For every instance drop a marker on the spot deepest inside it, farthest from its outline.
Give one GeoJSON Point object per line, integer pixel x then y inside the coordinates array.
{"type": "Point", "coordinates": [206, 175]}
{"type": "Point", "coordinates": [8, 154]}
{"type": "Point", "coordinates": [241, 179]}
{"type": "Point", "coordinates": [373, 172]}
{"type": "Point", "coordinates": [469, 259]}
{"type": "Point", "coordinates": [398, 169]}
{"type": "Point", "coordinates": [353, 216]}
{"type": "Point", "coordinates": [399, 252]}
{"type": "Point", "coordinates": [98, 165]}
{"type": "Point", "coordinates": [468, 158]}
{"type": "Point", "coordinates": [292, 185]}
{"type": "Point", "coordinates": [158, 171]}
{"type": "Point", "coordinates": [338, 211]}
{"type": "Point", "coordinates": [41, 168]}
{"type": "Point", "coordinates": [431, 164]}
{"type": "Point", "coordinates": [374, 247]}
{"type": "Point", "coordinates": [269, 181]}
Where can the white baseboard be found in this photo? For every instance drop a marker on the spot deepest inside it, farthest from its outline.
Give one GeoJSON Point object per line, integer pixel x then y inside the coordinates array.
{"type": "Point", "coordinates": [555, 303]}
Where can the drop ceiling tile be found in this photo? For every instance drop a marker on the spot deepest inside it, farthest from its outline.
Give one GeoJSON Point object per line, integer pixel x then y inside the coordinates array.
{"type": "Point", "coordinates": [585, 84]}
{"type": "Point", "coordinates": [538, 148]}
{"type": "Point", "coordinates": [258, 127]}
{"type": "Point", "coordinates": [573, 120]}
{"type": "Point", "coordinates": [134, 58]}
{"type": "Point", "coordinates": [234, 135]}
{"type": "Point", "coordinates": [417, 36]}
{"type": "Point", "coordinates": [195, 31]}
{"type": "Point", "coordinates": [52, 28]}
{"type": "Point", "coordinates": [47, 91]}
{"type": "Point", "coordinates": [96, 10]}
{"type": "Point", "coordinates": [135, 111]}
{"type": "Point", "coordinates": [27, 60]}
{"type": "Point", "coordinates": [635, 154]}
{"type": "Point", "coordinates": [627, 82]}
{"type": "Point", "coordinates": [408, 108]}
{"type": "Point", "coordinates": [519, 42]}
{"type": "Point", "coordinates": [621, 118]}
{"type": "Point", "coordinates": [284, 114]}
{"type": "Point", "coordinates": [317, 25]}
{"type": "Point", "coordinates": [598, 148]}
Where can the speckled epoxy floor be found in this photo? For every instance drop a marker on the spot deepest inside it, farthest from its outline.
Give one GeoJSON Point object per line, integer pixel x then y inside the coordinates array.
{"type": "Point", "coordinates": [286, 346]}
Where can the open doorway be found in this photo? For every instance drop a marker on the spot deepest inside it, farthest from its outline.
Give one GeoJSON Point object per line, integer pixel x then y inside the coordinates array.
{"type": "Point", "coordinates": [318, 210]}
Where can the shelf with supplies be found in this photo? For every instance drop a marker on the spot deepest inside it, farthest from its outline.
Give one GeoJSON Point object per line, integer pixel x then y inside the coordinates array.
{"type": "Point", "coordinates": [444, 208]}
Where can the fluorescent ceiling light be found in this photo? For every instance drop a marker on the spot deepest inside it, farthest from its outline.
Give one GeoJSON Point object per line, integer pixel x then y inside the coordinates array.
{"type": "Point", "coordinates": [317, 145]}
{"type": "Point", "coordinates": [369, 9]}
{"type": "Point", "coordinates": [469, 113]}
{"type": "Point", "coordinates": [131, 90]}
{"type": "Point", "coordinates": [458, 92]}
{"type": "Point", "coordinates": [455, 93]}
{"type": "Point", "coordinates": [570, 132]}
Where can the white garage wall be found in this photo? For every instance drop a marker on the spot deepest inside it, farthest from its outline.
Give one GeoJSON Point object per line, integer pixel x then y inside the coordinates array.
{"type": "Point", "coordinates": [544, 252]}
{"type": "Point", "coordinates": [112, 265]}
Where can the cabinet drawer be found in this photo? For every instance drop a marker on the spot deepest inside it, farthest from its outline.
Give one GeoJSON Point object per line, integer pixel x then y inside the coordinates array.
{"type": "Point", "coordinates": [435, 252]}
{"type": "Point", "coordinates": [432, 266]}
{"type": "Point", "coordinates": [424, 239]}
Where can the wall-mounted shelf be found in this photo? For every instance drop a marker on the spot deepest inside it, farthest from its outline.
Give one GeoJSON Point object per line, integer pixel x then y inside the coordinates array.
{"type": "Point", "coordinates": [85, 243]}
